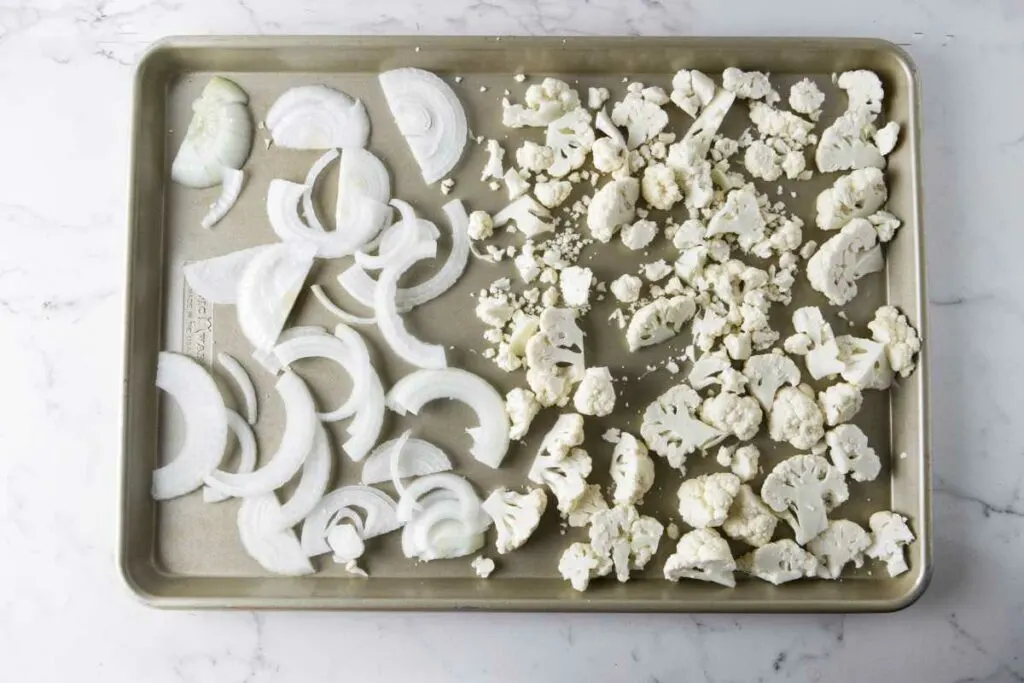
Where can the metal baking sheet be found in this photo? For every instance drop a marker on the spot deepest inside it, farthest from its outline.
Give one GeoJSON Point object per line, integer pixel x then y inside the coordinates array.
{"type": "Point", "coordinates": [186, 554]}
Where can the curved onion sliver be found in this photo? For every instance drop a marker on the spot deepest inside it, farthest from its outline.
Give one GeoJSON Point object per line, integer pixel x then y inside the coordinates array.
{"type": "Point", "coordinates": [334, 349]}
{"type": "Point", "coordinates": [419, 459]}
{"type": "Point", "coordinates": [216, 279]}
{"type": "Point", "coordinates": [246, 454]}
{"type": "Point", "coordinates": [242, 380]}
{"type": "Point", "coordinates": [378, 506]}
{"type": "Point", "coordinates": [276, 549]}
{"type": "Point", "coordinates": [457, 486]}
{"type": "Point", "coordinates": [317, 117]}
{"type": "Point", "coordinates": [389, 322]}
{"type": "Point", "coordinates": [391, 251]}
{"type": "Point", "coordinates": [308, 206]}
{"type": "Point", "coordinates": [316, 474]}
{"type": "Point", "coordinates": [267, 291]}
{"type": "Point", "coordinates": [340, 313]}
{"type": "Point", "coordinates": [230, 188]}
{"type": "Point", "coordinates": [364, 429]}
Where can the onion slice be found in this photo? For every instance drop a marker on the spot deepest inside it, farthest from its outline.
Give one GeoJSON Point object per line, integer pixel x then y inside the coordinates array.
{"type": "Point", "coordinates": [443, 518]}
{"type": "Point", "coordinates": [308, 206]}
{"type": "Point", "coordinates": [267, 291]}
{"type": "Point", "coordinates": [490, 438]}
{"type": "Point", "coordinates": [420, 459]}
{"type": "Point", "coordinates": [216, 279]}
{"type": "Point", "coordinates": [244, 383]}
{"type": "Point", "coordinates": [396, 461]}
{"type": "Point", "coordinates": [458, 487]}
{"type": "Point", "coordinates": [337, 310]}
{"type": "Point", "coordinates": [317, 117]}
{"type": "Point", "coordinates": [246, 453]}
{"type": "Point", "coordinates": [329, 347]}
{"type": "Point", "coordinates": [219, 136]}
{"type": "Point", "coordinates": [430, 118]}
{"type": "Point", "coordinates": [232, 180]}
{"type": "Point", "coordinates": [392, 250]}
{"type": "Point", "coordinates": [277, 550]}
{"type": "Point", "coordinates": [206, 425]}
{"type": "Point", "coordinates": [379, 509]}
{"type": "Point", "coordinates": [316, 475]}
{"type": "Point", "coordinates": [364, 430]}
{"type": "Point", "coordinates": [296, 442]}
{"type": "Point", "coordinates": [390, 324]}
{"type": "Point", "coordinates": [360, 174]}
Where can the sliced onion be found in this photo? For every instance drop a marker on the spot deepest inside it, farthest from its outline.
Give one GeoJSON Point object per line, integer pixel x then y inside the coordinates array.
{"type": "Point", "coordinates": [490, 439]}
{"type": "Point", "coordinates": [364, 430]}
{"type": "Point", "coordinates": [308, 206]}
{"type": "Point", "coordinates": [333, 349]}
{"type": "Point", "coordinates": [459, 488]}
{"type": "Point", "coordinates": [316, 475]}
{"type": "Point", "coordinates": [269, 362]}
{"type": "Point", "coordinates": [378, 507]}
{"type": "Point", "coordinates": [420, 459]}
{"type": "Point", "coordinates": [396, 461]}
{"type": "Point", "coordinates": [425, 231]}
{"type": "Point", "coordinates": [216, 279]}
{"type": "Point", "coordinates": [441, 532]}
{"type": "Point", "coordinates": [296, 441]}
{"type": "Point", "coordinates": [389, 322]}
{"type": "Point", "coordinates": [392, 253]}
{"type": "Point", "coordinates": [337, 310]}
{"type": "Point", "coordinates": [206, 425]}
{"type": "Point", "coordinates": [241, 379]}
{"type": "Point", "coordinates": [246, 453]}
{"type": "Point", "coordinates": [360, 174]}
{"type": "Point", "coordinates": [317, 117]}
{"type": "Point", "coordinates": [267, 290]}
{"type": "Point", "coordinates": [430, 118]}
{"type": "Point", "coordinates": [277, 550]}
{"type": "Point", "coordinates": [219, 136]}
{"type": "Point", "coordinates": [231, 187]}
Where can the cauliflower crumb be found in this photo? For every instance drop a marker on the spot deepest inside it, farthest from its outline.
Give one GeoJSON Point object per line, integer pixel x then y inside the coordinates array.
{"type": "Point", "coordinates": [640, 234]}
{"type": "Point", "coordinates": [595, 394]}
{"type": "Point", "coordinates": [481, 225]}
{"type": "Point", "coordinates": [626, 288]}
{"type": "Point", "coordinates": [483, 566]}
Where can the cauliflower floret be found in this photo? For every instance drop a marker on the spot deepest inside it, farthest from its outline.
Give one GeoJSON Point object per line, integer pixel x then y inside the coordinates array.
{"type": "Point", "coordinates": [865, 363]}
{"type": "Point", "coordinates": [659, 188]}
{"type": "Point", "coordinates": [552, 193]}
{"type": "Point", "coordinates": [794, 164]}
{"type": "Point", "coordinates": [586, 506]}
{"type": "Point", "coordinates": [493, 168]}
{"type": "Point", "coordinates": [854, 195]}
{"type": "Point", "coordinates": [889, 533]}
{"type": "Point", "coordinates": [766, 373]}
{"type": "Point", "coordinates": [632, 470]}
{"type": "Point", "coordinates": [846, 144]}
{"type": "Point", "coordinates": [815, 340]}
{"type": "Point", "coordinates": [704, 501]}
{"type": "Point", "coordinates": [626, 288]}
{"type": "Point", "coordinates": [737, 415]}
{"type": "Point", "coordinates": [580, 563]}
{"type": "Point", "coordinates": [629, 539]}
{"type": "Point", "coordinates": [840, 403]}
{"type": "Point", "coordinates": [886, 137]}
{"type": "Point", "coordinates": [642, 119]}
{"type": "Point", "coordinates": [739, 215]}
{"type": "Point", "coordinates": [885, 224]}
{"type": "Point", "coordinates": [863, 90]}
{"type": "Point", "coordinates": [609, 155]}
{"type": "Point", "coordinates": [743, 461]}
{"type": "Point", "coordinates": [527, 264]}
{"type": "Point", "coordinates": [748, 85]}
{"type": "Point", "coordinates": [785, 126]}
{"type": "Point", "coordinates": [595, 394]}
{"type": "Point", "coordinates": [738, 346]}
{"type": "Point", "coordinates": [613, 206]}
{"type": "Point", "coordinates": [481, 225]}
{"type": "Point", "coordinates": [575, 283]}
{"type": "Point", "coordinates": [796, 418]}
{"type": "Point", "coordinates": [779, 562]}
{"type": "Point", "coordinates": [554, 357]}
{"type": "Point", "coordinates": [750, 520]}
{"type": "Point", "coordinates": [703, 555]}
{"type": "Point", "coordinates": [527, 215]}
{"type": "Point", "coordinates": [670, 429]}
{"type": "Point", "coordinates": [596, 97]}
{"type": "Point", "coordinates": [806, 98]}
{"type": "Point", "coordinates": [515, 515]}
{"type": "Point", "coordinates": [659, 320]}
{"type": "Point", "coordinates": [566, 476]}
{"type": "Point", "coordinates": [640, 234]}
{"type": "Point", "coordinates": [570, 138]}
{"type": "Point", "coordinates": [761, 161]}
{"type": "Point", "coordinates": [840, 543]}
{"type": "Point", "coordinates": [521, 406]}
{"type": "Point", "coordinates": [516, 182]}
{"type": "Point", "coordinates": [705, 371]}
{"type": "Point", "coordinates": [545, 102]}
{"type": "Point", "coordinates": [848, 447]}
{"type": "Point", "coordinates": [802, 490]}
{"type": "Point", "coordinates": [482, 566]}
{"type": "Point", "coordinates": [534, 157]}
{"type": "Point", "coordinates": [842, 260]}
{"type": "Point", "coordinates": [692, 90]}
{"type": "Point", "coordinates": [891, 328]}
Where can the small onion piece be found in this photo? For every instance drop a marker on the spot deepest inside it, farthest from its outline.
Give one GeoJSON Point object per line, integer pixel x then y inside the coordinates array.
{"type": "Point", "coordinates": [246, 454]}
{"type": "Point", "coordinates": [342, 315]}
{"type": "Point", "coordinates": [232, 180]}
{"type": "Point", "coordinates": [206, 425]}
{"type": "Point", "coordinates": [379, 509]}
{"type": "Point", "coordinates": [277, 550]}
{"type": "Point", "coordinates": [329, 347]}
{"type": "Point", "coordinates": [389, 322]}
{"type": "Point", "coordinates": [244, 383]}
{"type": "Point", "coordinates": [317, 117]}
{"type": "Point", "coordinates": [219, 136]}
{"type": "Point", "coordinates": [420, 459]}
{"type": "Point", "coordinates": [396, 461]}
{"type": "Point", "coordinates": [392, 254]}
{"type": "Point", "coordinates": [490, 438]}
{"type": "Point", "coordinates": [308, 205]}
{"type": "Point", "coordinates": [268, 288]}
{"type": "Point", "coordinates": [216, 279]}
{"type": "Point", "coordinates": [316, 475]}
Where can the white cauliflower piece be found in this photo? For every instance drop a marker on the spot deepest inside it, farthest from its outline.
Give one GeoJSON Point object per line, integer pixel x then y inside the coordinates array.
{"type": "Point", "coordinates": [885, 224]}
{"type": "Point", "coordinates": [889, 534]}
{"type": "Point", "coordinates": [766, 373]}
{"type": "Point", "coordinates": [632, 470]}
{"type": "Point", "coordinates": [761, 161]}
{"type": "Point", "coordinates": [743, 461]}
{"type": "Point", "coordinates": [521, 406]}
{"type": "Point", "coordinates": [535, 158]}
{"type": "Point", "coordinates": [750, 520]}
{"type": "Point", "coordinates": [580, 563]}
{"type": "Point", "coordinates": [846, 144]}
{"type": "Point", "coordinates": [627, 538]}
{"type": "Point", "coordinates": [671, 429]}
{"type": "Point", "coordinates": [626, 288]}
{"type": "Point", "coordinates": [596, 97]}
{"type": "Point", "coordinates": [703, 555]}
{"type": "Point", "coordinates": [815, 340]}
{"type": "Point", "coordinates": [613, 206]}
{"type": "Point", "coordinates": [659, 320]}
{"type": "Point", "coordinates": [659, 188]}
{"type": "Point", "coordinates": [570, 138]}
{"type": "Point", "coordinates": [863, 90]}
{"type": "Point", "coordinates": [495, 155]}
{"type": "Point", "coordinates": [890, 327]}
{"type": "Point", "coordinates": [494, 310]}
{"type": "Point", "coordinates": [783, 125]}
{"type": "Point", "coordinates": [733, 414]}
{"type": "Point", "coordinates": [840, 402]}
{"type": "Point", "coordinates": [516, 516]}
{"type": "Point", "coordinates": [802, 490]}
{"type": "Point", "coordinates": [586, 506]}
{"type": "Point", "coordinates": [516, 182]}
{"type": "Point", "coordinates": [641, 118]}
{"type": "Point", "coordinates": [638, 235]}
{"type": "Point", "coordinates": [842, 260]}
{"type": "Point", "coordinates": [738, 345]}
{"type": "Point", "coordinates": [524, 326]}
{"type": "Point", "coordinates": [806, 98]}
{"type": "Point", "coordinates": [481, 225]}
{"type": "Point", "coordinates": [704, 501]}
{"type": "Point", "coordinates": [553, 193]}
{"type": "Point", "coordinates": [795, 418]}
{"type": "Point", "coordinates": [545, 103]}
{"type": "Point", "coordinates": [566, 477]}
{"type": "Point", "coordinates": [595, 394]}
{"type": "Point", "coordinates": [886, 137]}
{"type": "Point", "coordinates": [850, 453]}
{"type": "Point", "coordinates": [841, 543]}
{"type": "Point", "coordinates": [865, 363]}
{"type": "Point", "coordinates": [692, 90]}
{"type": "Point", "coordinates": [527, 215]}
{"type": "Point", "coordinates": [554, 357]}
{"type": "Point", "coordinates": [855, 195]}
{"type": "Point", "coordinates": [705, 371]}
{"type": "Point", "coordinates": [794, 164]}
{"type": "Point", "coordinates": [609, 155]}
{"type": "Point", "coordinates": [779, 562]}
{"type": "Point", "coordinates": [482, 566]}
{"type": "Point", "coordinates": [739, 215]}
{"type": "Point", "coordinates": [575, 283]}
{"type": "Point", "coordinates": [747, 85]}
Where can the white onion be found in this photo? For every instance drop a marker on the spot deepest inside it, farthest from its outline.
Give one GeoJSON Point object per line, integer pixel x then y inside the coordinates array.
{"type": "Point", "coordinates": [443, 518]}
{"type": "Point", "coordinates": [317, 117]}
{"type": "Point", "coordinates": [246, 453]}
{"type": "Point", "coordinates": [457, 487]}
{"type": "Point", "coordinates": [430, 118]}
{"type": "Point", "coordinates": [389, 322]}
{"type": "Point", "coordinates": [360, 174]}
{"type": "Point", "coordinates": [308, 206]}
{"type": "Point", "coordinates": [268, 361]}
{"type": "Point", "coordinates": [337, 310]}
{"type": "Point", "coordinates": [490, 438]}
{"type": "Point", "coordinates": [333, 349]}
{"type": "Point", "coordinates": [364, 429]}
{"type": "Point", "coordinates": [231, 187]}
{"type": "Point", "coordinates": [242, 380]}
{"type": "Point", "coordinates": [219, 136]}
{"type": "Point", "coordinates": [216, 279]}
{"type": "Point", "coordinates": [316, 475]}
{"type": "Point", "coordinates": [337, 505]}
{"type": "Point", "coordinates": [420, 458]}
{"type": "Point", "coordinates": [277, 550]}
{"type": "Point", "coordinates": [206, 425]}
{"type": "Point", "coordinates": [392, 252]}
{"type": "Point", "coordinates": [390, 236]}
{"type": "Point", "coordinates": [296, 441]}
{"type": "Point", "coordinates": [394, 466]}
{"type": "Point", "coordinates": [267, 290]}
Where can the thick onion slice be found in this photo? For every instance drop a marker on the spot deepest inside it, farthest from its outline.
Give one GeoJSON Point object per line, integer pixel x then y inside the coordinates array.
{"type": "Point", "coordinates": [419, 459]}
{"type": "Point", "coordinates": [316, 475]}
{"type": "Point", "coordinates": [389, 322]}
{"type": "Point", "coordinates": [219, 136]}
{"type": "Point", "coordinates": [296, 441]}
{"type": "Point", "coordinates": [430, 118]}
{"type": "Point", "coordinates": [443, 518]}
{"type": "Point", "coordinates": [246, 453]}
{"type": "Point", "coordinates": [277, 550]}
{"type": "Point", "coordinates": [327, 346]}
{"type": "Point", "coordinates": [490, 438]}
{"type": "Point", "coordinates": [206, 425]}
{"type": "Point", "coordinates": [232, 180]}
{"type": "Point", "coordinates": [308, 205]}
{"type": "Point", "coordinates": [317, 117]}
{"type": "Point", "coordinates": [242, 380]}
{"type": "Point", "coordinates": [458, 487]}
{"type": "Point", "coordinates": [337, 506]}
{"type": "Point", "coordinates": [268, 288]}
{"type": "Point", "coordinates": [360, 174]}
{"type": "Point", "coordinates": [337, 310]}
{"type": "Point", "coordinates": [216, 279]}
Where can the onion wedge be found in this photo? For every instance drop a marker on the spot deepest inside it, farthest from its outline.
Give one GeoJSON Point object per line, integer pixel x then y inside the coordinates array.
{"type": "Point", "coordinates": [390, 324]}
{"type": "Point", "coordinates": [296, 442]}
{"type": "Point", "coordinates": [430, 118]}
{"type": "Point", "coordinates": [490, 438]}
{"type": "Point", "coordinates": [246, 453]}
{"type": "Point", "coordinates": [342, 315]}
{"type": "Point", "coordinates": [216, 279]}
{"type": "Point", "coordinates": [206, 425]}
{"type": "Point", "coordinates": [242, 380]}
{"type": "Point", "coordinates": [219, 136]}
{"type": "Point", "coordinates": [420, 458]}
{"type": "Point", "coordinates": [267, 291]}
{"type": "Point", "coordinates": [332, 348]}
{"type": "Point", "coordinates": [308, 206]}
{"type": "Point", "coordinates": [277, 550]}
{"type": "Point", "coordinates": [317, 117]}
{"type": "Point", "coordinates": [378, 507]}
{"type": "Point", "coordinates": [316, 475]}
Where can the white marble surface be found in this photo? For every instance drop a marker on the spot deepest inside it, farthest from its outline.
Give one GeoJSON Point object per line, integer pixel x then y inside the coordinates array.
{"type": "Point", "coordinates": [63, 612]}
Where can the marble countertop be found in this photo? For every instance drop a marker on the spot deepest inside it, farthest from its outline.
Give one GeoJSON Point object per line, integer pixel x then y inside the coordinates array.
{"type": "Point", "coordinates": [65, 614]}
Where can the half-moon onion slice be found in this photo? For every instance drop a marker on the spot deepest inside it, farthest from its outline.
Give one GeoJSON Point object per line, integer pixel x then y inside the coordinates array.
{"type": "Point", "coordinates": [277, 550]}
{"type": "Point", "coordinates": [317, 117]}
{"type": "Point", "coordinates": [389, 322]}
{"type": "Point", "coordinates": [268, 288]}
{"type": "Point", "coordinates": [244, 383]}
{"type": "Point", "coordinates": [420, 458]}
{"type": "Point", "coordinates": [246, 454]}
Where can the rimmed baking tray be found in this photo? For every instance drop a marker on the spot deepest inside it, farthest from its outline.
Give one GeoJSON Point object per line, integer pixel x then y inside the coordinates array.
{"type": "Point", "coordinates": [186, 554]}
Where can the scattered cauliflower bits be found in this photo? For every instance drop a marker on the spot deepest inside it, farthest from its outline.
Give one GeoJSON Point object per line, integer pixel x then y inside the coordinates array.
{"type": "Point", "coordinates": [602, 169]}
